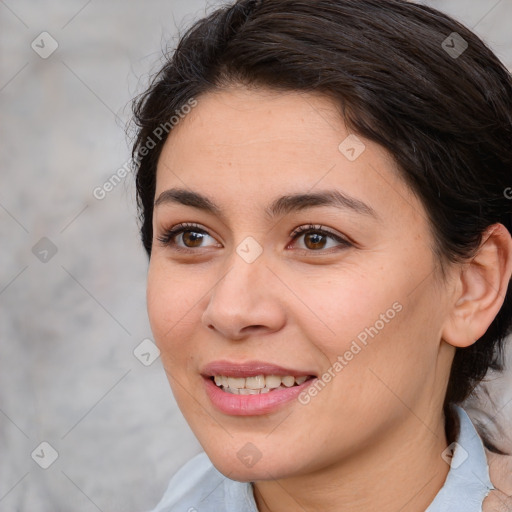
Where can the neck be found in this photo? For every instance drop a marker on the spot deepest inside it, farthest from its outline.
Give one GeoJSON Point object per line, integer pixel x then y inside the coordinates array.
{"type": "Point", "coordinates": [403, 470]}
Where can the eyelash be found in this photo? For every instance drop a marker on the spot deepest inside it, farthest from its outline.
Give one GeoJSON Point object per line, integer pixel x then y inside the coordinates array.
{"type": "Point", "coordinates": [167, 238]}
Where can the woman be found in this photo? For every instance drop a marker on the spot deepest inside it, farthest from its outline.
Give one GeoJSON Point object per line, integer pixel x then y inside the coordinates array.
{"type": "Point", "coordinates": [322, 190]}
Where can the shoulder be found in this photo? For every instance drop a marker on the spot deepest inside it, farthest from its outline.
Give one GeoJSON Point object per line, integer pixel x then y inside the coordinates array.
{"type": "Point", "coordinates": [198, 485]}
{"type": "Point", "coordinates": [468, 483]}
{"type": "Point", "coordinates": [186, 485]}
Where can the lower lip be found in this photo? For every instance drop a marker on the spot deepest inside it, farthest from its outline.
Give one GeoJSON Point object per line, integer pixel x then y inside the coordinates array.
{"type": "Point", "coordinates": [252, 405]}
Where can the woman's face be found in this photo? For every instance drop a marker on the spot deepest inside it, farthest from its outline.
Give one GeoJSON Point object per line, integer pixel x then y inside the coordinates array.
{"type": "Point", "coordinates": [491, 411]}
{"type": "Point", "coordinates": [240, 293]}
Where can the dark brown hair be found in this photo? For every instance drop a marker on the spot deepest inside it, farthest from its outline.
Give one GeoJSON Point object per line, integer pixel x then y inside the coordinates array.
{"type": "Point", "coordinates": [446, 118]}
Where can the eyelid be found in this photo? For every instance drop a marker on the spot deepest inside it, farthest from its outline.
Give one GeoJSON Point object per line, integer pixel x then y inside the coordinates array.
{"type": "Point", "coordinates": [174, 231]}
{"type": "Point", "coordinates": [304, 228]}
{"type": "Point", "coordinates": [344, 242]}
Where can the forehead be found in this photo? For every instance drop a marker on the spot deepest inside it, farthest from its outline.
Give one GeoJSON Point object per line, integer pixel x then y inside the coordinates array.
{"type": "Point", "coordinates": [238, 122]}
{"type": "Point", "coordinates": [252, 145]}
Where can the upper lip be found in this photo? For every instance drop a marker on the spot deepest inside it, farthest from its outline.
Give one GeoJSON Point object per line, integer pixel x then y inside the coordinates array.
{"type": "Point", "coordinates": [249, 369]}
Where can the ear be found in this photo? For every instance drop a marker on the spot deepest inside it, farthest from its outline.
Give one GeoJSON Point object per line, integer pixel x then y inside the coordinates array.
{"type": "Point", "coordinates": [480, 288]}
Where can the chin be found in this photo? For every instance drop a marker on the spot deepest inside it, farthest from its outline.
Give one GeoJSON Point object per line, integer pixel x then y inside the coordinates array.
{"type": "Point", "coordinates": [249, 467]}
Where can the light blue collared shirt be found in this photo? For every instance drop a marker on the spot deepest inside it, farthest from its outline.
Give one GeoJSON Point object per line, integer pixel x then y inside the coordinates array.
{"type": "Point", "coordinates": [199, 487]}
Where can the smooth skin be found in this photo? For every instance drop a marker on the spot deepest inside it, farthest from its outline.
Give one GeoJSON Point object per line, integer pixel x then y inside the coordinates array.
{"type": "Point", "coordinates": [372, 439]}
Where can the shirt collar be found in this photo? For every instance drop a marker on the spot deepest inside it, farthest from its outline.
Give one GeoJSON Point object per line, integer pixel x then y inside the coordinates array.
{"type": "Point", "coordinates": [468, 482]}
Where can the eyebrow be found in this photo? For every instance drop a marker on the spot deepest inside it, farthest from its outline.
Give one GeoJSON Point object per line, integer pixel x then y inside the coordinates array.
{"type": "Point", "coordinates": [280, 206]}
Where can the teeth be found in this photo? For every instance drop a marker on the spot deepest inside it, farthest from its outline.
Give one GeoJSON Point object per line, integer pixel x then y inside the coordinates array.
{"type": "Point", "coordinates": [245, 391]}
{"type": "Point", "coordinates": [273, 381]}
{"type": "Point", "coordinates": [288, 381]}
{"type": "Point", "coordinates": [257, 384]}
{"type": "Point", "coordinates": [236, 383]}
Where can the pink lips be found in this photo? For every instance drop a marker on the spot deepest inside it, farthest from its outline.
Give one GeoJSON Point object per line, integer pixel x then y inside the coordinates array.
{"type": "Point", "coordinates": [250, 405]}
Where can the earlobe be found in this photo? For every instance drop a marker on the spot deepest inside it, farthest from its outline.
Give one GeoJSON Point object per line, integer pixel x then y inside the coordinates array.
{"type": "Point", "coordinates": [481, 288]}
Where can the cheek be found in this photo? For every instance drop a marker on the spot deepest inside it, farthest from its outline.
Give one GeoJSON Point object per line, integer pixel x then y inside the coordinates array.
{"type": "Point", "coordinates": [382, 331]}
{"type": "Point", "coordinates": [363, 306]}
{"type": "Point", "coordinates": [172, 300]}
{"type": "Point", "coordinates": [341, 300]}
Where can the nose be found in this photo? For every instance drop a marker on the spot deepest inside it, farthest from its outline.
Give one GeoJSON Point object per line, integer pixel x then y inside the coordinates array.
{"type": "Point", "coordinates": [245, 301]}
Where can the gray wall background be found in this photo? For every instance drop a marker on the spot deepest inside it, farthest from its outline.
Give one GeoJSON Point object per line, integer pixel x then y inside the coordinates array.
{"type": "Point", "coordinates": [72, 271]}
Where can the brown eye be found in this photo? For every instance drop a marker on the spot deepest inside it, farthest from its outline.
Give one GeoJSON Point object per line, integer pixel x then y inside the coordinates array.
{"type": "Point", "coordinates": [185, 237]}
{"type": "Point", "coordinates": [192, 238]}
{"type": "Point", "coordinates": [315, 241]}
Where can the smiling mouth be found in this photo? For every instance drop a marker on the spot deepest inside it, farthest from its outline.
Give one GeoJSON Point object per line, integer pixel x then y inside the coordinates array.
{"type": "Point", "coordinates": [258, 384]}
